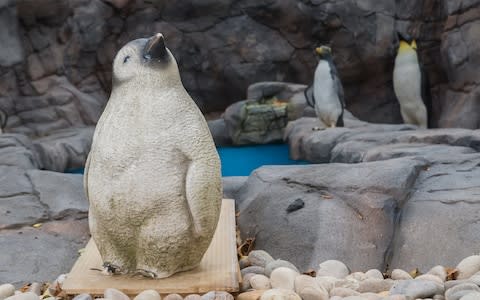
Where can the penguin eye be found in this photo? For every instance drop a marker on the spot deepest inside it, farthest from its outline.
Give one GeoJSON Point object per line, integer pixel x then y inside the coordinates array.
{"type": "Point", "coordinates": [126, 58]}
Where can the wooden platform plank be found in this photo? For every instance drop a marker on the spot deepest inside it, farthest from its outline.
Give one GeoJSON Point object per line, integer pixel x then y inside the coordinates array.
{"type": "Point", "coordinates": [218, 269]}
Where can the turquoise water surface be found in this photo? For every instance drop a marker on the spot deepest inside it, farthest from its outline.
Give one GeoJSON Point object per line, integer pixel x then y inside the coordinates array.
{"type": "Point", "coordinates": [242, 160]}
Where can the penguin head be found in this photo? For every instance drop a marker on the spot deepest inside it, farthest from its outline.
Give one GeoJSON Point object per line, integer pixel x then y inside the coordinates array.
{"type": "Point", "coordinates": [406, 43]}
{"type": "Point", "coordinates": [324, 52]}
{"type": "Point", "coordinates": [145, 59]}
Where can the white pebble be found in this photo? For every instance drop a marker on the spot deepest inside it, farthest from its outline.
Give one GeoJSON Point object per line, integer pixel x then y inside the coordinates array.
{"type": "Point", "coordinates": [399, 274]}
{"type": "Point", "coordinates": [6, 290]}
{"type": "Point", "coordinates": [24, 296]}
{"type": "Point", "coordinates": [280, 294]}
{"type": "Point", "coordinates": [374, 273]}
{"type": "Point", "coordinates": [468, 266]}
{"type": "Point", "coordinates": [333, 268]}
{"type": "Point", "coordinates": [283, 278]}
{"type": "Point", "coordinates": [148, 295]}
{"type": "Point", "coordinates": [260, 282]}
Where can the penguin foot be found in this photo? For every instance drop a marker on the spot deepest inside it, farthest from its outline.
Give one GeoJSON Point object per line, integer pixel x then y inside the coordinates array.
{"type": "Point", "coordinates": [145, 273]}
{"type": "Point", "coordinates": [316, 128]}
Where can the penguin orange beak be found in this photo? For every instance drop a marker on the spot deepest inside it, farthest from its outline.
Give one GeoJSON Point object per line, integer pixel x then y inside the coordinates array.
{"type": "Point", "coordinates": [318, 50]}
{"type": "Point", "coordinates": [155, 48]}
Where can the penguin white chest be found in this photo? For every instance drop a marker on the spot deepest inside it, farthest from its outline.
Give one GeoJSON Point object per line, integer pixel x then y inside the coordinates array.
{"type": "Point", "coordinates": [327, 103]}
{"type": "Point", "coordinates": [407, 84]}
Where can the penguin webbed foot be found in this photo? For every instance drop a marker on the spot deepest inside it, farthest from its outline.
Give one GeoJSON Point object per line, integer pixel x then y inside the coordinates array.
{"type": "Point", "coordinates": [316, 128]}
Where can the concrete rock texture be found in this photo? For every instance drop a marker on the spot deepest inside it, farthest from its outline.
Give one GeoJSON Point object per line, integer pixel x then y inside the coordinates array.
{"type": "Point", "coordinates": [55, 62]}
{"type": "Point", "coordinates": [385, 196]}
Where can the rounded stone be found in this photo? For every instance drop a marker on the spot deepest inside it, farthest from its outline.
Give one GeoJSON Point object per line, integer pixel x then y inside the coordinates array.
{"type": "Point", "coordinates": [399, 274]}
{"type": "Point", "coordinates": [278, 264]}
{"type": "Point", "coordinates": [333, 268]}
{"type": "Point", "coordinates": [115, 294]}
{"type": "Point", "coordinates": [468, 266]}
{"type": "Point", "coordinates": [375, 285]}
{"type": "Point", "coordinates": [439, 271]}
{"type": "Point", "coordinates": [283, 278]}
{"type": "Point", "coordinates": [193, 297]}
{"type": "Point", "coordinates": [148, 295]}
{"type": "Point", "coordinates": [246, 282]}
{"type": "Point", "coordinates": [24, 296]}
{"type": "Point", "coordinates": [173, 297]}
{"type": "Point", "coordinates": [260, 258]}
{"type": "Point", "coordinates": [471, 296]}
{"type": "Point", "coordinates": [371, 296]}
{"type": "Point", "coordinates": [253, 269]}
{"type": "Point", "coordinates": [343, 292]}
{"type": "Point", "coordinates": [244, 262]}
{"type": "Point", "coordinates": [6, 290]}
{"type": "Point", "coordinates": [280, 294]}
{"type": "Point", "coordinates": [359, 276]}
{"type": "Point", "coordinates": [302, 281]}
{"type": "Point", "coordinates": [313, 293]}
{"type": "Point", "coordinates": [416, 288]}
{"type": "Point", "coordinates": [217, 295]}
{"type": "Point", "coordinates": [374, 273]}
{"type": "Point", "coordinates": [327, 282]}
{"type": "Point", "coordinates": [260, 282]}
{"type": "Point", "coordinates": [83, 297]}
{"type": "Point", "coordinates": [458, 291]}
{"type": "Point", "coordinates": [36, 288]}
{"type": "Point", "coordinates": [251, 295]}
{"type": "Point", "coordinates": [430, 277]}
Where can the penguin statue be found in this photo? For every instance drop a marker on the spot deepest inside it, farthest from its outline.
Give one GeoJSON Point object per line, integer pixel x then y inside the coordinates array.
{"type": "Point", "coordinates": [326, 92]}
{"type": "Point", "coordinates": [410, 84]}
{"type": "Point", "coordinates": [152, 177]}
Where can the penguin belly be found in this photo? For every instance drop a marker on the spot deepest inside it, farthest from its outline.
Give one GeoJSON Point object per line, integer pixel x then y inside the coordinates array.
{"type": "Point", "coordinates": [407, 85]}
{"type": "Point", "coordinates": [157, 223]}
{"type": "Point", "coordinates": [327, 104]}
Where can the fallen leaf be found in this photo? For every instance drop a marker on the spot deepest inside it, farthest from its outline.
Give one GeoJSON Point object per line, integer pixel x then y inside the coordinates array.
{"type": "Point", "coordinates": [38, 225]}
{"type": "Point", "coordinates": [310, 272]}
{"type": "Point", "coordinates": [414, 273]}
{"type": "Point", "coordinates": [452, 273]}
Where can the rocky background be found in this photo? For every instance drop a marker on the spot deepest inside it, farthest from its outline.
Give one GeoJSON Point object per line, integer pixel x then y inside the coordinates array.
{"type": "Point", "coordinates": [55, 61]}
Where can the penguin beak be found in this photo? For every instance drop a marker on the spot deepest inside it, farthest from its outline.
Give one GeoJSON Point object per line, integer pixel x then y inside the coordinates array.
{"type": "Point", "coordinates": [319, 50]}
{"type": "Point", "coordinates": [414, 45]}
{"type": "Point", "coordinates": [155, 48]}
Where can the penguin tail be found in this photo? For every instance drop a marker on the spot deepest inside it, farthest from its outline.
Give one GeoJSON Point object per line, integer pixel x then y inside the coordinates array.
{"type": "Point", "coordinates": [340, 120]}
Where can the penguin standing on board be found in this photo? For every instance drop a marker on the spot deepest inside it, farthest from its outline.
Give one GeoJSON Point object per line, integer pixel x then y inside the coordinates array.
{"type": "Point", "coordinates": [410, 84]}
{"type": "Point", "coordinates": [326, 92]}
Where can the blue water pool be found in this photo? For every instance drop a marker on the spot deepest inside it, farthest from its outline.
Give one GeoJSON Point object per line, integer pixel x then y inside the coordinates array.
{"type": "Point", "coordinates": [242, 160]}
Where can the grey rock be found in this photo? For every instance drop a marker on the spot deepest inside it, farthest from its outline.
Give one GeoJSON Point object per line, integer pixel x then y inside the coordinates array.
{"type": "Point", "coordinates": [253, 269]}
{"type": "Point", "coordinates": [217, 295]}
{"type": "Point", "coordinates": [47, 251]}
{"type": "Point", "coordinates": [61, 193]}
{"type": "Point", "coordinates": [283, 278]}
{"type": "Point", "coordinates": [6, 290]}
{"type": "Point", "coordinates": [334, 206]}
{"type": "Point", "coordinates": [193, 297]}
{"type": "Point", "coordinates": [231, 185]}
{"type": "Point", "coordinates": [17, 150]}
{"type": "Point", "coordinates": [374, 273]}
{"type": "Point", "coordinates": [244, 262]}
{"type": "Point", "coordinates": [219, 132]}
{"type": "Point", "coordinates": [260, 258]}
{"type": "Point", "coordinates": [260, 282]}
{"type": "Point", "coordinates": [416, 288]}
{"type": "Point", "coordinates": [333, 268]}
{"type": "Point", "coordinates": [279, 263]}
{"type": "Point", "coordinates": [12, 50]}
{"type": "Point", "coordinates": [375, 285]}
{"type": "Point", "coordinates": [399, 274]}
{"type": "Point", "coordinates": [458, 291]}
{"type": "Point", "coordinates": [83, 297]}
{"type": "Point", "coordinates": [471, 296]}
{"type": "Point", "coordinates": [284, 294]}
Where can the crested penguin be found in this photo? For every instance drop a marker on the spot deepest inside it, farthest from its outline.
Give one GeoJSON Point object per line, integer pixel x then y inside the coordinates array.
{"type": "Point", "coordinates": [326, 92]}
{"type": "Point", "coordinates": [410, 84]}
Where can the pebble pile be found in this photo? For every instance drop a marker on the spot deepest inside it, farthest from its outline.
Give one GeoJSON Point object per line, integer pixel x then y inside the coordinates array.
{"type": "Point", "coordinates": [265, 278]}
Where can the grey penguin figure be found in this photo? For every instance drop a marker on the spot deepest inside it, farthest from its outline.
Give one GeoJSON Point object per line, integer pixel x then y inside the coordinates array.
{"type": "Point", "coordinates": [153, 176]}
{"type": "Point", "coordinates": [326, 95]}
{"type": "Point", "coordinates": [410, 84]}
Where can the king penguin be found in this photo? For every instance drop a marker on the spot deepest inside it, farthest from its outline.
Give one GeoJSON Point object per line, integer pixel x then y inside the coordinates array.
{"type": "Point", "coordinates": [326, 92]}
{"type": "Point", "coordinates": [152, 176]}
{"type": "Point", "coordinates": [410, 84]}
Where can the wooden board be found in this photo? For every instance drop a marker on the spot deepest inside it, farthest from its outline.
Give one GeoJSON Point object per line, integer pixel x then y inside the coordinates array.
{"type": "Point", "coordinates": [218, 269]}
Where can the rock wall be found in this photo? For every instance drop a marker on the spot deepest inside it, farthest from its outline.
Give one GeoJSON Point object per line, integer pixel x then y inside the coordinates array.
{"type": "Point", "coordinates": [55, 61]}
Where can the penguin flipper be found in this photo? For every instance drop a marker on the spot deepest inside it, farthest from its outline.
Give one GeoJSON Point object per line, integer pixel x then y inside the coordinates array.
{"type": "Point", "coordinates": [309, 96]}
{"type": "Point", "coordinates": [201, 191]}
{"type": "Point", "coordinates": [85, 177]}
{"type": "Point", "coordinates": [337, 84]}
{"type": "Point", "coordinates": [426, 95]}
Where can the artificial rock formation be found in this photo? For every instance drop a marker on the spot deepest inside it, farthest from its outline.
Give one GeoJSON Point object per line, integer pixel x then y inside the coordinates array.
{"type": "Point", "coordinates": [56, 58]}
